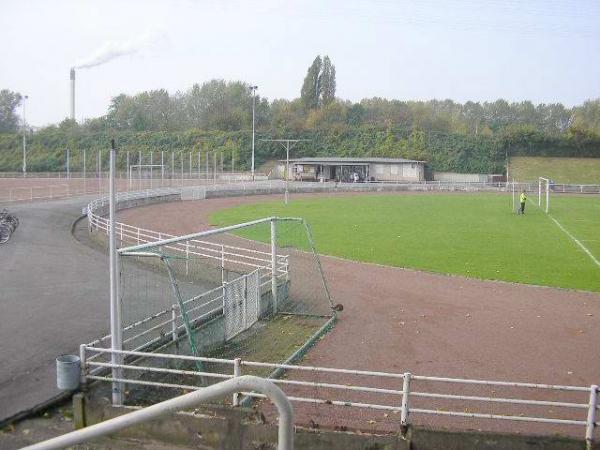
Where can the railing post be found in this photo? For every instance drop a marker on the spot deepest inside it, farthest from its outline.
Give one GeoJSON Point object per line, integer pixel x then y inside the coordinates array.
{"type": "Point", "coordinates": [405, 404]}
{"type": "Point", "coordinates": [274, 264]}
{"type": "Point", "coordinates": [237, 371]}
{"type": "Point", "coordinates": [591, 418]}
{"type": "Point", "coordinates": [83, 379]}
{"type": "Point", "coordinates": [222, 263]}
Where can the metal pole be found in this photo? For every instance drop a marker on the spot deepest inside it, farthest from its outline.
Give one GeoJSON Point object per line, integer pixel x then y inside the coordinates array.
{"type": "Point", "coordinates": [99, 167]}
{"type": "Point", "coordinates": [253, 126]}
{"type": "Point", "coordinates": [181, 160]}
{"type": "Point", "coordinates": [207, 165]}
{"type": "Point", "coordinates": [405, 393]}
{"type": "Point", "coordinates": [193, 399]}
{"type": "Point", "coordinates": [539, 192]}
{"type": "Point", "coordinates": [287, 170]}
{"type": "Point", "coordinates": [84, 187]}
{"type": "Point", "coordinates": [547, 196]}
{"type": "Point", "coordinates": [215, 166]}
{"type": "Point", "coordinates": [140, 169]}
{"type": "Point", "coordinates": [591, 418]}
{"type": "Point", "coordinates": [513, 195]}
{"type": "Point", "coordinates": [199, 161]}
{"type": "Point", "coordinates": [128, 171]}
{"type": "Point", "coordinates": [115, 307]}
{"type": "Point", "coordinates": [237, 372]}
{"type": "Point", "coordinates": [151, 172]}
{"type": "Point", "coordinates": [274, 264]}
{"type": "Point", "coordinates": [162, 168]}
{"type": "Point", "coordinates": [190, 172]}
{"type": "Point", "coordinates": [68, 163]}
{"type": "Point", "coordinates": [24, 139]}
{"type": "Point", "coordinates": [172, 167]}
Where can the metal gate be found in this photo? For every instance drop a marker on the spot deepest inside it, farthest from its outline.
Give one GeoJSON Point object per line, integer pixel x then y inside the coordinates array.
{"type": "Point", "coordinates": [240, 304]}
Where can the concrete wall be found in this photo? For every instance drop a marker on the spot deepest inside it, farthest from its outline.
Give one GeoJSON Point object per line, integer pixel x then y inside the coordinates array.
{"type": "Point", "coordinates": [241, 428]}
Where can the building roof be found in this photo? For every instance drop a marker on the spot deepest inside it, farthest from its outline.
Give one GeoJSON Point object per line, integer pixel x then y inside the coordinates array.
{"type": "Point", "coordinates": [331, 161]}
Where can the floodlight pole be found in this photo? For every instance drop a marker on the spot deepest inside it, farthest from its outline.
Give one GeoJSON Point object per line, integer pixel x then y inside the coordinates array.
{"type": "Point", "coordinates": [288, 144]}
{"type": "Point", "coordinates": [116, 338]}
{"type": "Point", "coordinates": [84, 179]}
{"type": "Point", "coordinates": [24, 139]}
{"type": "Point", "coordinates": [253, 89]}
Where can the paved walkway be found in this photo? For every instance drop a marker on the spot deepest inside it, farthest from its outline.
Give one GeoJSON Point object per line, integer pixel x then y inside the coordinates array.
{"type": "Point", "coordinates": [53, 296]}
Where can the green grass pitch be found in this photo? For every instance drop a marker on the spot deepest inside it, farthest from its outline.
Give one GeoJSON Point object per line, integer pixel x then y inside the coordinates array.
{"type": "Point", "coordinates": [474, 235]}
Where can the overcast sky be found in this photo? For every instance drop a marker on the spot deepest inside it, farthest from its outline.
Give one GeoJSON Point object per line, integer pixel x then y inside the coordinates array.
{"type": "Point", "coordinates": [542, 50]}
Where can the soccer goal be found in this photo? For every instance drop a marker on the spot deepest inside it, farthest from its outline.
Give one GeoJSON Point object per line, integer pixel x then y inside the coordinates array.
{"type": "Point", "coordinates": [144, 176]}
{"type": "Point", "coordinates": [251, 289]}
{"type": "Point", "coordinates": [544, 193]}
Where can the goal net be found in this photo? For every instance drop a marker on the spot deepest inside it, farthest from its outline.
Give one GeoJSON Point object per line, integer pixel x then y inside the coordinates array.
{"type": "Point", "coordinates": [544, 193]}
{"type": "Point", "coordinates": [254, 290]}
{"type": "Point", "coordinates": [146, 176]}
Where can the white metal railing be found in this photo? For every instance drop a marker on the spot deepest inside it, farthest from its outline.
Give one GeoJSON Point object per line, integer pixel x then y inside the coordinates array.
{"type": "Point", "coordinates": [221, 253]}
{"type": "Point", "coordinates": [582, 410]}
{"type": "Point", "coordinates": [266, 387]}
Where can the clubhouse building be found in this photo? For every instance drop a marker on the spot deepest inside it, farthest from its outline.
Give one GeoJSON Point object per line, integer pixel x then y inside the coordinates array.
{"type": "Point", "coordinates": [353, 169]}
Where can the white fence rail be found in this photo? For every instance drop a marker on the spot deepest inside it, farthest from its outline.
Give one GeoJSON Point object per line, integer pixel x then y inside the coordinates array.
{"type": "Point", "coordinates": [62, 187]}
{"type": "Point", "coordinates": [582, 413]}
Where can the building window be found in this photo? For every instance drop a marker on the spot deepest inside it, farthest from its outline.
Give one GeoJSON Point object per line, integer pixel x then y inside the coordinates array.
{"type": "Point", "coordinates": [379, 169]}
{"type": "Point", "coordinates": [394, 170]}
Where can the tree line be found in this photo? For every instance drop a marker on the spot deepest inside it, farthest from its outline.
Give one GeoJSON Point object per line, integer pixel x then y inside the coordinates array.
{"type": "Point", "coordinates": [218, 113]}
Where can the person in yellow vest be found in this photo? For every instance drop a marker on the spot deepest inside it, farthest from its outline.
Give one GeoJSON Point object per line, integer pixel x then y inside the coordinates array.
{"type": "Point", "coordinates": [522, 199]}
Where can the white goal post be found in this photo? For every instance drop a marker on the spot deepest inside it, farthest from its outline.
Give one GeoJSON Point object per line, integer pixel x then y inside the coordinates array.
{"type": "Point", "coordinates": [139, 167]}
{"type": "Point", "coordinates": [544, 186]}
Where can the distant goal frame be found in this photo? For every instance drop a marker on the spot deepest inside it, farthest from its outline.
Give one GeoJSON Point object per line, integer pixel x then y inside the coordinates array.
{"type": "Point", "coordinates": [542, 181]}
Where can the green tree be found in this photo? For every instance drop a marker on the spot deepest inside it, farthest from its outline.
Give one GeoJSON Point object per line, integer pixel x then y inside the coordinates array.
{"type": "Point", "coordinates": [327, 82]}
{"type": "Point", "coordinates": [9, 121]}
{"type": "Point", "coordinates": [311, 88]}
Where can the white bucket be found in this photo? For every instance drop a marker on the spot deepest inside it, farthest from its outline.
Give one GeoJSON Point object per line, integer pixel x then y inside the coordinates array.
{"type": "Point", "coordinates": [68, 372]}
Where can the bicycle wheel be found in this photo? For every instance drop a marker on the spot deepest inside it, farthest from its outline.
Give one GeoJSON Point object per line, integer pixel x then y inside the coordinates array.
{"type": "Point", "coordinates": [4, 233]}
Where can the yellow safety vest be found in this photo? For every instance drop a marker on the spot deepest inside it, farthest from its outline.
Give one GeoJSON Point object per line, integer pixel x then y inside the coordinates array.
{"type": "Point", "coordinates": [523, 198]}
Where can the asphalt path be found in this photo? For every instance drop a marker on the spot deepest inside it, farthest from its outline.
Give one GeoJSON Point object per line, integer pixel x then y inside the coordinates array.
{"type": "Point", "coordinates": [53, 296]}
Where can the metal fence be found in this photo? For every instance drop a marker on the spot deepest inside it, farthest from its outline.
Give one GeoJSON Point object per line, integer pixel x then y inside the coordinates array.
{"type": "Point", "coordinates": [365, 392]}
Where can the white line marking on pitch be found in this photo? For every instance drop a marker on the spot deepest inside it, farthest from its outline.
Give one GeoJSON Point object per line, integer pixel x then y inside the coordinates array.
{"type": "Point", "coordinates": [583, 247]}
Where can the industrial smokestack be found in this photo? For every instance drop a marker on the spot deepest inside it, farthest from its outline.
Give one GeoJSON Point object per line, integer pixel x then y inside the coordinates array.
{"type": "Point", "coordinates": [72, 94]}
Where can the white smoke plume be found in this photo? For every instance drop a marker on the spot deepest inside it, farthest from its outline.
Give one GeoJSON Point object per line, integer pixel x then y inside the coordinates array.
{"type": "Point", "coordinates": [111, 49]}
